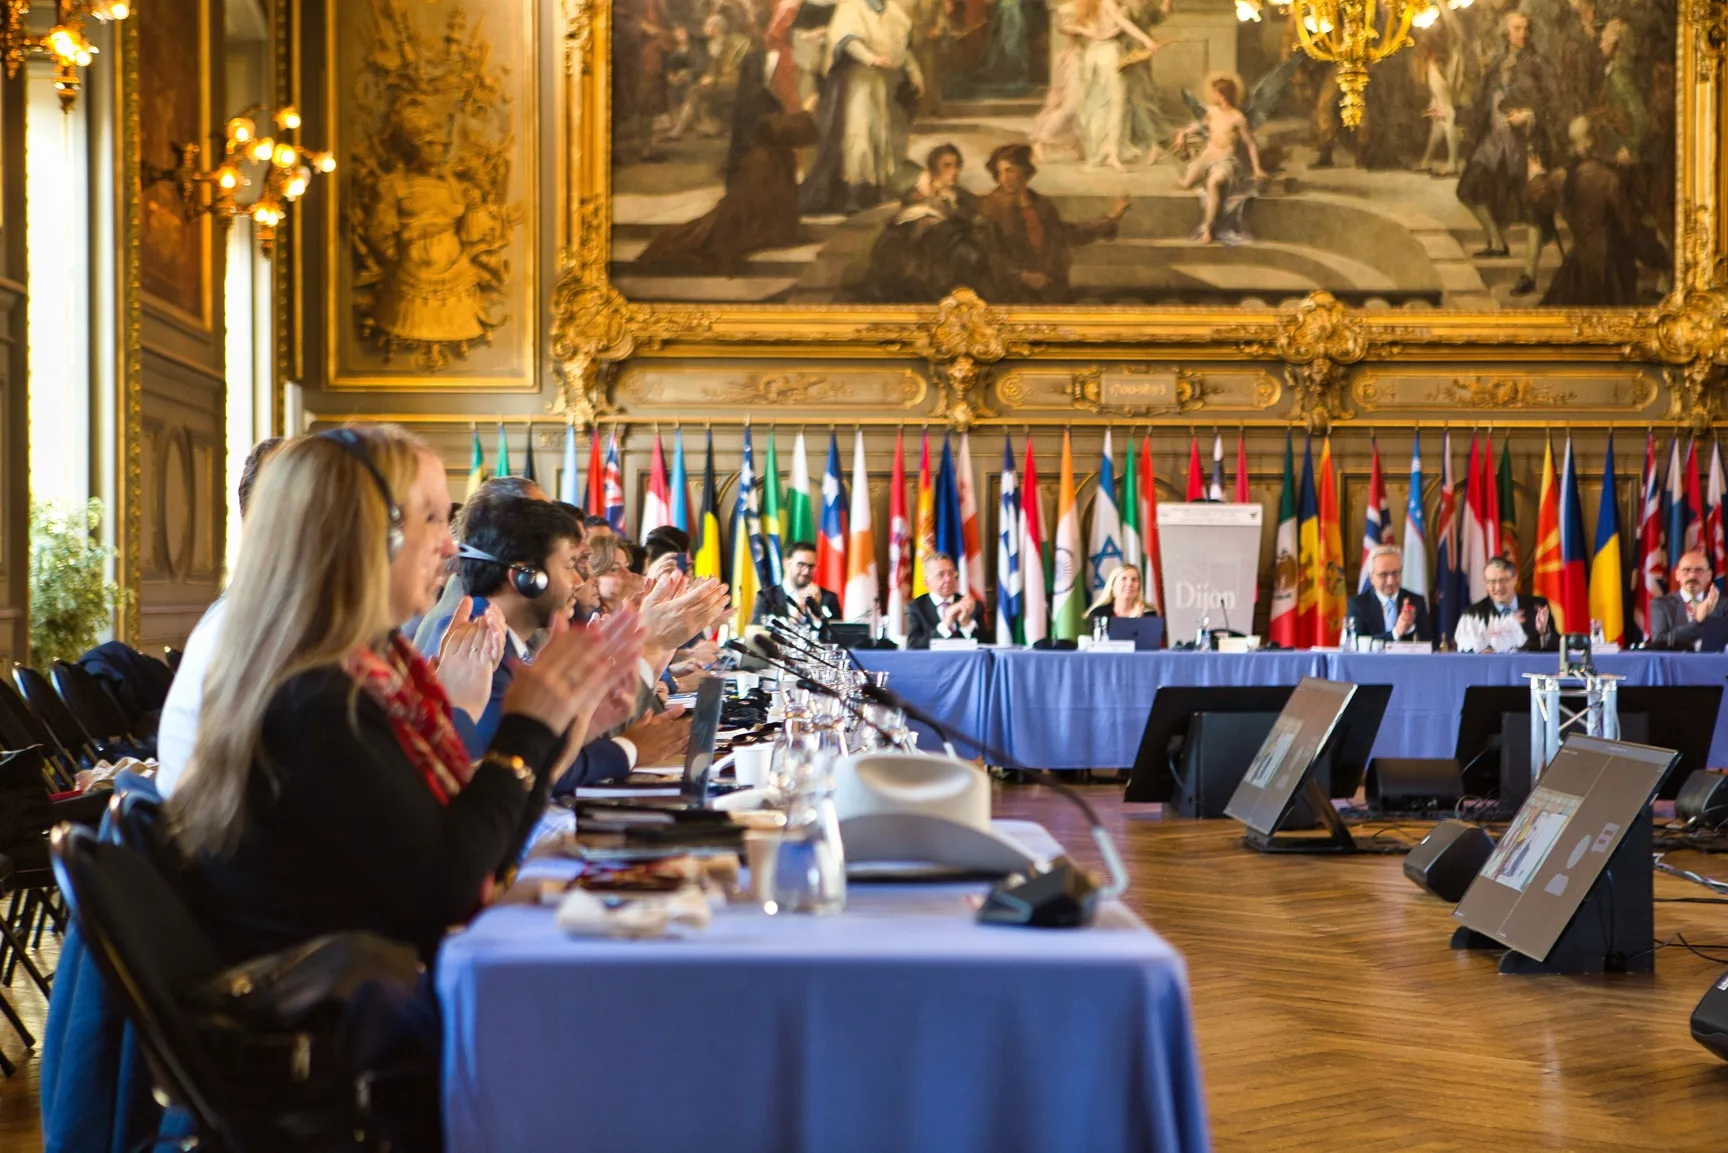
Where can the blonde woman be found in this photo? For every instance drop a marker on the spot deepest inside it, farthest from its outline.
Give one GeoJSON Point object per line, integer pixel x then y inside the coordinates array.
{"type": "Point", "coordinates": [613, 565]}
{"type": "Point", "coordinates": [1121, 596]}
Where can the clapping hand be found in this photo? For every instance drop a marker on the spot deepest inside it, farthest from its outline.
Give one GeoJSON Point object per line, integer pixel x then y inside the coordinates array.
{"type": "Point", "coordinates": [469, 655]}
{"type": "Point", "coordinates": [959, 612]}
{"type": "Point", "coordinates": [674, 611]}
{"type": "Point", "coordinates": [1406, 620]}
{"type": "Point", "coordinates": [576, 670]}
{"type": "Point", "coordinates": [1702, 610]}
{"type": "Point", "coordinates": [1544, 619]}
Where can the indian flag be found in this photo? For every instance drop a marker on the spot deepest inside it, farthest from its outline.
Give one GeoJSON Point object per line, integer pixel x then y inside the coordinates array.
{"type": "Point", "coordinates": [1069, 606]}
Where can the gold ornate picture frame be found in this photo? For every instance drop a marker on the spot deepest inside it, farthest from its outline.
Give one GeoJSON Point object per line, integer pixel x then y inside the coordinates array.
{"type": "Point", "coordinates": [1319, 341]}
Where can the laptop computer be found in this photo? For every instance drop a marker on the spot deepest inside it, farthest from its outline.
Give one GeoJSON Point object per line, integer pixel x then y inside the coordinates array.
{"type": "Point", "coordinates": [1147, 633]}
{"type": "Point", "coordinates": [692, 786]}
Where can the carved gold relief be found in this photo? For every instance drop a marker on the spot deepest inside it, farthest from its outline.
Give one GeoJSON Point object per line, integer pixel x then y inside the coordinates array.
{"type": "Point", "coordinates": [1500, 392]}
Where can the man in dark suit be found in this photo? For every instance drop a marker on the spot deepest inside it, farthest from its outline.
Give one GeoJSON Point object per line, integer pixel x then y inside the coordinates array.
{"type": "Point", "coordinates": [943, 613]}
{"type": "Point", "coordinates": [800, 589]}
{"type": "Point", "coordinates": [1505, 601]}
{"type": "Point", "coordinates": [1386, 609]}
{"type": "Point", "coordinates": [1677, 620]}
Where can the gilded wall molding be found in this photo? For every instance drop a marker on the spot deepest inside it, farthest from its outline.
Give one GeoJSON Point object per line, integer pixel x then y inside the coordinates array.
{"type": "Point", "coordinates": [128, 519]}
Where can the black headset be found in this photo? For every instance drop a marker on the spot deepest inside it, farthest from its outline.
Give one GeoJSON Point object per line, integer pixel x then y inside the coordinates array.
{"type": "Point", "coordinates": [531, 582]}
{"type": "Point", "coordinates": [350, 440]}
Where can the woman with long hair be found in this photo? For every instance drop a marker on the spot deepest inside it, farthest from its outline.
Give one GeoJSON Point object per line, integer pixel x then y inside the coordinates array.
{"type": "Point", "coordinates": [616, 566]}
{"type": "Point", "coordinates": [1121, 597]}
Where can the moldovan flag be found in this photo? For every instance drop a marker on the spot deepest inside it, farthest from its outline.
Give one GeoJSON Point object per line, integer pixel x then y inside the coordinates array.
{"type": "Point", "coordinates": [1332, 544]}
{"type": "Point", "coordinates": [615, 484]}
{"type": "Point", "coordinates": [1152, 578]}
{"type": "Point", "coordinates": [860, 603]}
{"type": "Point", "coordinates": [569, 480]}
{"type": "Point", "coordinates": [1650, 564]}
{"type": "Point", "coordinates": [1196, 481]}
{"type": "Point", "coordinates": [924, 524]}
{"type": "Point", "coordinates": [680, 513]}
{"type": "Point", "coordinates": [972, 567]}
{"type": "Point", "coordinates": [1714, 539]}
{"type": "Point", "coordinates": [502, 468]}
{"type": "Point", "coordinates": [476, 465]}
{"type": "Point", "coordinates": [1377, 524]}
{"type": "Point", "coordinates": [1415, 537]}
{"type": "Point", "coordinates": [1607, 602]}
{"type": "Point", "coordinates": [831, 541]}
{"type": "Point", "coordinates": [899, 543]}
{"type": "Point", "coordinates": [747, 557]}
{"type": "Point", "coordinates": [800, 523]}
{"type": "Point", "coordinates": [1286, 547]}
{"type": "Point", "coordinates": [708, 559]}
{"type": "Point", "coordinates": [1128, 505]}
{"type": "Point", "coordinates": [1034, 595]}
{"type": "Point", "coordinates": [1548, 579]}
{"type": "Point", "coordinates": [1105, 551]}
{"type": "Point", "coordinates": [595, 505]}
{"type": "Point", "coordinates": [657, 508]}
{"type": "Point", "coordinates": [1008, 603]}
{"type": "Point", "coordinates": [771, 537]}
{"type": "Point", "coordinates": [1310, 560]}
{"type": "Point", "coordinates": [1069, 607]}
{"type": "Point", "coordinates": [1574, 553]}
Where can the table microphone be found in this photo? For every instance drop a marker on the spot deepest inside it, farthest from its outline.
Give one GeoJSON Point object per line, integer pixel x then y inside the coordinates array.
{"type": "Point", "coordinates": [1053, 895]}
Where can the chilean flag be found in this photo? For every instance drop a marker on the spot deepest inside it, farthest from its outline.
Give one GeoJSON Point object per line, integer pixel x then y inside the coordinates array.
{"type": "Point", "coordinates": [831, 540]}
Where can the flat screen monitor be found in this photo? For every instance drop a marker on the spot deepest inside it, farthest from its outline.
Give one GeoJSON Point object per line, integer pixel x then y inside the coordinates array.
{"type": "Point", "coordinates": [704, 735]}
{"type": "Point", "coordinates": [1562, 836]}
{"type": "Point", "coordinates": [1147, 633]}
{"type": "Point", "coordinates": [1285, 763]}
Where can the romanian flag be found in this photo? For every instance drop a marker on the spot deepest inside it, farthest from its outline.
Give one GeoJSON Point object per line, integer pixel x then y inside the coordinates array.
{"type": "Point", "coordinates": [1332, 546]}
{"type": "Point", "coordinates": [862, 586]}
{"type": "Point", "coordinates": [899, 542]}
{"type": "Point", "coordinates": [595, 505]}
{"type": "Point", "coordinates": [708, 561]}
{"type": "Point", "coordinates": [1152, 582]}
{"type": "Point", "coordinates": [1508, 510]}
{"type": "Point", "coordinates": [771, 536]}
{"type": "Point", "coordinates": [1196, 480]}
{"type": "Point", "coordinates": [503, 466]}
{"type": "Point", "coordinates": [1574, 614]}
{"type": "Point", "coordinates": [476, 466]}
{"type": "Point", "coordinates": [1286, 553]}
{"type": "Point", "coordinates": [924, 522]}
{"type": "Point", "coordinates": [1548, 580]}
{"type": "Point", "coordinates": [1034, 594]}
{"type": "Point", "coordinates": [831, 538]}
{"type": "Point", "coordinates": [1607, 602]}
{"type": "Point", "coordinates": [1069, 607]}
{"type": "Point", "coordinates": [1310, 559]}
{"type": "Point", "coordinates": [657, 509]}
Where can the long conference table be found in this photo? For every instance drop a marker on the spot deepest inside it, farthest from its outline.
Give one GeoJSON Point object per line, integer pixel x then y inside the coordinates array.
{"type": "Point", "coordinates": [1080, 710]}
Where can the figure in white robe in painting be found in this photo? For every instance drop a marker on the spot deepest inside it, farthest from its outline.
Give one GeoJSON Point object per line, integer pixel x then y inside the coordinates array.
{"type": "Point", "coordinates": [868, 97]}
{"type": "Point", "coordinates": [1099, 26]}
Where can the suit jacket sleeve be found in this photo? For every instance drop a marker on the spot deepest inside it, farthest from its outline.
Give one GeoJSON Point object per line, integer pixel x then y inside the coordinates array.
{"type": "Point", "coordinates": [1424, 626]}
{"type": "Point", "coordinates": [599, 761]}
{"type": "Point", "coordinates": [1671, 626]}
{"type": "Point", "coordinates": [766, 606]}
{"type": "Point", "coordinates": [923, 623]}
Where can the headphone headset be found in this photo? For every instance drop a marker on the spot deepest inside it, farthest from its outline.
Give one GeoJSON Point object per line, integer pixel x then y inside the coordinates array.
{"type": "Point", "coordinates": [350, 440]}
{"type": "Point", "coordinates": [524, 578]}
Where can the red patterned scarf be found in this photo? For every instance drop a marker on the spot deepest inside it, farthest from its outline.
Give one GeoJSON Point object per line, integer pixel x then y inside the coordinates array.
{"type": "Point", "coordinates": [407, 689]}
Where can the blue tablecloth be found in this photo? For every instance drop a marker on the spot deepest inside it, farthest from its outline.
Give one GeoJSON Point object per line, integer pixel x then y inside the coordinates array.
{"type": "Point", "coordinates": [901, 1024]}
{"type": "Point", "coordinates": [1074, 710]}
{"type": "Point", "coordinates": [951, 686]}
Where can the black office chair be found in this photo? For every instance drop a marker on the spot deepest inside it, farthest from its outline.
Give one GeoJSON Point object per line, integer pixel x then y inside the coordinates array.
{"type": "Point", "coordinates": [26, 814]}
{"type": "Point", "coordinates": [42, 700]}
{"type": "Point", "coordinates": [96, 712]}
{"type": "Point", "coordinates": [20, 728]}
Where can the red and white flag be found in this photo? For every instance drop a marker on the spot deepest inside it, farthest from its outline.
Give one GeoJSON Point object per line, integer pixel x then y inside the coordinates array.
{"type": "Point", "coordinates": [1196, 479]}
{"type": "Point", "coordinates": [860, 603]}
{"type": "Point", "coordinates": [1474, 554]}
{"type": "Point", "coordinates": [899, 543]}
{"type": "Point", "coordinates": [657, 508]}
{"type": "Point", "coordinates": [1714, 540]}
{"type": "Point", "coordinates": [972, 567]}
{"type": "Point", "coordinates": [1650, 559]}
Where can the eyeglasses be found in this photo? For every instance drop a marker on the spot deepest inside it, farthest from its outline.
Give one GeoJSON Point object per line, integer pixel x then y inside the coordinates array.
{"type": "Point", "coordinates": [1389, 572]}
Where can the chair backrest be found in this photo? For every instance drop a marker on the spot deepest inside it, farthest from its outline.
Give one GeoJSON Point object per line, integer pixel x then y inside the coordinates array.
{"type": "Point", "coordinates": [149, 950]}
{"type": "Point", "coordinates": [16, 720]}
{"type": "Point", "coordinates": [43, 701]}
{"type": "Point", "coordinates": [25, 810]}
{"type": "Point", "coordinates": [89, 703]}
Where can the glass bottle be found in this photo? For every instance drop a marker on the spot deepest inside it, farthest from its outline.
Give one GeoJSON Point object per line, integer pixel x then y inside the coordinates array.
{"type": "Point", "coordinates": [810, 861]}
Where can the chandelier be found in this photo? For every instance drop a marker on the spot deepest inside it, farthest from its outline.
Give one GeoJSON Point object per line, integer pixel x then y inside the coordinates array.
{"type": "Point", "coordinates": [64, 43]}
{"type": "Point", "coordinates": [1351, 35]}
{"type": "Point", "coordinates": [279, 170]}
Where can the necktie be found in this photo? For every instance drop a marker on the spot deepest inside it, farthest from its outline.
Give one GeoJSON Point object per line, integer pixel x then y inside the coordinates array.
{"type": "Point", "coordinates": [1391, 609]}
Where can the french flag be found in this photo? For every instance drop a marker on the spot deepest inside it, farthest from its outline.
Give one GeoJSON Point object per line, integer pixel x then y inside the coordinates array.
{"type": "Point", "coordinates": [831, 540]}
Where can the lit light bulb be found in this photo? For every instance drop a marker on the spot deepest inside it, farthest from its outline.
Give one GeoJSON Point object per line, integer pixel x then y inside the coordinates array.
{"type": "Point", "coordinates": [62, 43]}
{"type": "Point", "coordinates": [1426, 17]}
{"type": "Point", "coordinates": [119, 10]}
{"type": "Point", "coordinates": [240, 129]}
{"type": "Point", "coordinates": [263, 148]}
{"type": "Point", "coordinates": [288, 118]}
{"type": "Point", "coordinates": [1318, 28]}
{"type": "Point", "coordinates": [228, 178]}
{"type": "Point", "coordinates": [264, 214]}
{"type": "Point", "coordinates": [285, 157]}
{"type": "Point", "coordinates": [326, 163]}
{"type": "Point", "coordinates": [1247, 10]}
{"type": "Point", "coordinates": [1455, 4]}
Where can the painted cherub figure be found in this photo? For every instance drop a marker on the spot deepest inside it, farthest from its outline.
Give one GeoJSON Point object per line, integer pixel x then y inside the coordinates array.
{"type": "Point", "coordinates": [1220, 165]}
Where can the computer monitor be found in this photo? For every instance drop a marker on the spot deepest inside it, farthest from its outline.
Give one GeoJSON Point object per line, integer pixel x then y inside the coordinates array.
{"type": "Point", "coordinates": [704, 734]}
{"type": "Point", "coordinates": [1174, 707]}
{"type": "Point", "coordinates": [1284, 766]}
{"type": "Point", "coordinates": [1147, 633]}
{"type": "Point", "coordinates": [1563, 836]}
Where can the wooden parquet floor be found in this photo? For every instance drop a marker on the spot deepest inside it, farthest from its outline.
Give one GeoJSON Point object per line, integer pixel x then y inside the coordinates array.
{"type": "Point", "coordinates": [1333, 1017]}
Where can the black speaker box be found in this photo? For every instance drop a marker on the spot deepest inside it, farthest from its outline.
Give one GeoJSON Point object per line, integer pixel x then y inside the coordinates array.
{"type": "Point", "coordinates": [1703, 799]}
{"type": "Point", "coordinates": [1710, 1018]}
{"type": "Point", "coordinates": [1448, 859]}
{"type": "Point", "coordinates": [1215, 756]}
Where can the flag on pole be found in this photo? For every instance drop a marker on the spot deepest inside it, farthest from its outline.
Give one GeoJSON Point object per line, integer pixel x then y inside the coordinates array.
{"type": "Point", "coordinates": [1034, 594]}
{"type": "Point", "coordinates": [1068, 594]}
{"type": "Point", "coordinates": [1216, 490]}
{"type": "Point", "coordinates": [948, 539]}
{"type": "Point", "coordinates": [1377, 524]}
{"type": "Point", "coordinates": [1415, 538]}
{"type": "Point", "coordinates": [595, 505]}
{"type": "Point", "coordinates": [924, 522]}
{"type": "Point", "coordinates": [1152, 577]}
{"type": "Point", "coordinates": [1104, 553]}
{"type": "Point", "coordinates": [1607, 600]}
{"type": "Point", "coordinates": [1679, 513]}
{"type": "Point", "coordinates": [1009, 605]}
{"type": "Point", "coordinates": [1650, 564]}
{"type": "Point", "coordinates": [680, 513]}
{"type": "Point", "coordinates": [1128, 505]}
{"type": "Point", "coordinates": [1449, 587]}
{"type": "Point", "coordinates": [502, 468]}
{"type": "Point", "coordinates": [899, 542]}
{"type": "Point", "coordinates": [1196, 480]}
{"type": "Point", "coordinates": [1332, 542]}
{"type": "Point", "coordinates": [1242, 479]}
{"type": "Point", "coordinates": [1286, 551]}
{"type": "Point", "coordinates": [1473, 529]}
{"type": "Point", "coordinates": [800, 520]}
{"type": "Point", "coordinates": [771, 535]}
{"type": "Point", "coordinates": [1574, 554]}
{"type": "Point", "coordinates": [1508, 507]}
{"type": "Point", "coordinates": [1548, 578]}
{"type": "Point", "coordinates": [476, 465]}
{"type": "Point", "coordinates": [747, 559]}
{"type": "Point", "coordinates": [708, 560]}
{"type": "Point", "coordinates": [615, 485]}
{"type": "Point", "coordinates": [569, 479]}
{"type": "Point", "coordinates": [831, 542]}
{"type": "Point", "coordinates": [1310, 559]}
{"type": "Point", "coordinates": [657, 508]}
{"type": "Point", "coordinates": [862, 589]}
{"type": "Point", "coordinates": [1715, 542]}
{"type": "Point", "coordinates": [1490, 500]}
{"type": "Point", "coordinates": [528, 456]}
{"type": "Point", "coordinates": [972, 567]}
{"type": "Point", "coordinates": [1694, 501]}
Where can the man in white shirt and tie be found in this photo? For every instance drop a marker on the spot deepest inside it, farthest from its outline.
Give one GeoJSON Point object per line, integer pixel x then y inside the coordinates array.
{"type": "Point", "coordinates": [943, 613]}
{"type": "Point", "coordinates": [1507, 620]}
{"type": "Point", "coordinates": [1677, 620]}
{"type": "Point", "coordinates": [1386, 609]}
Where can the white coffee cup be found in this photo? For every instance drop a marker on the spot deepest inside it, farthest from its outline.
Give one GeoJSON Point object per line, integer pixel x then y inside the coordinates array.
{"type": "Point", "coordinates": [751, 763]}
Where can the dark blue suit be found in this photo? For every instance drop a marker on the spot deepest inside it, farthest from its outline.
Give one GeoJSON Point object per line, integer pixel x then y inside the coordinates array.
{"type": "Point", "coordinates": [600, 759]}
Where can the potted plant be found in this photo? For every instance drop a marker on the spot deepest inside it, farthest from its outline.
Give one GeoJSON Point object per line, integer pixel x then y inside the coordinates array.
{"type": "Point", "coordinates": [71, 598]}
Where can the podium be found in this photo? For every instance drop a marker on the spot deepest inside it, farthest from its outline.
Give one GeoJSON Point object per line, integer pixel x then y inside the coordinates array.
{"type": "Point", "coordinates": [1211, 566]}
